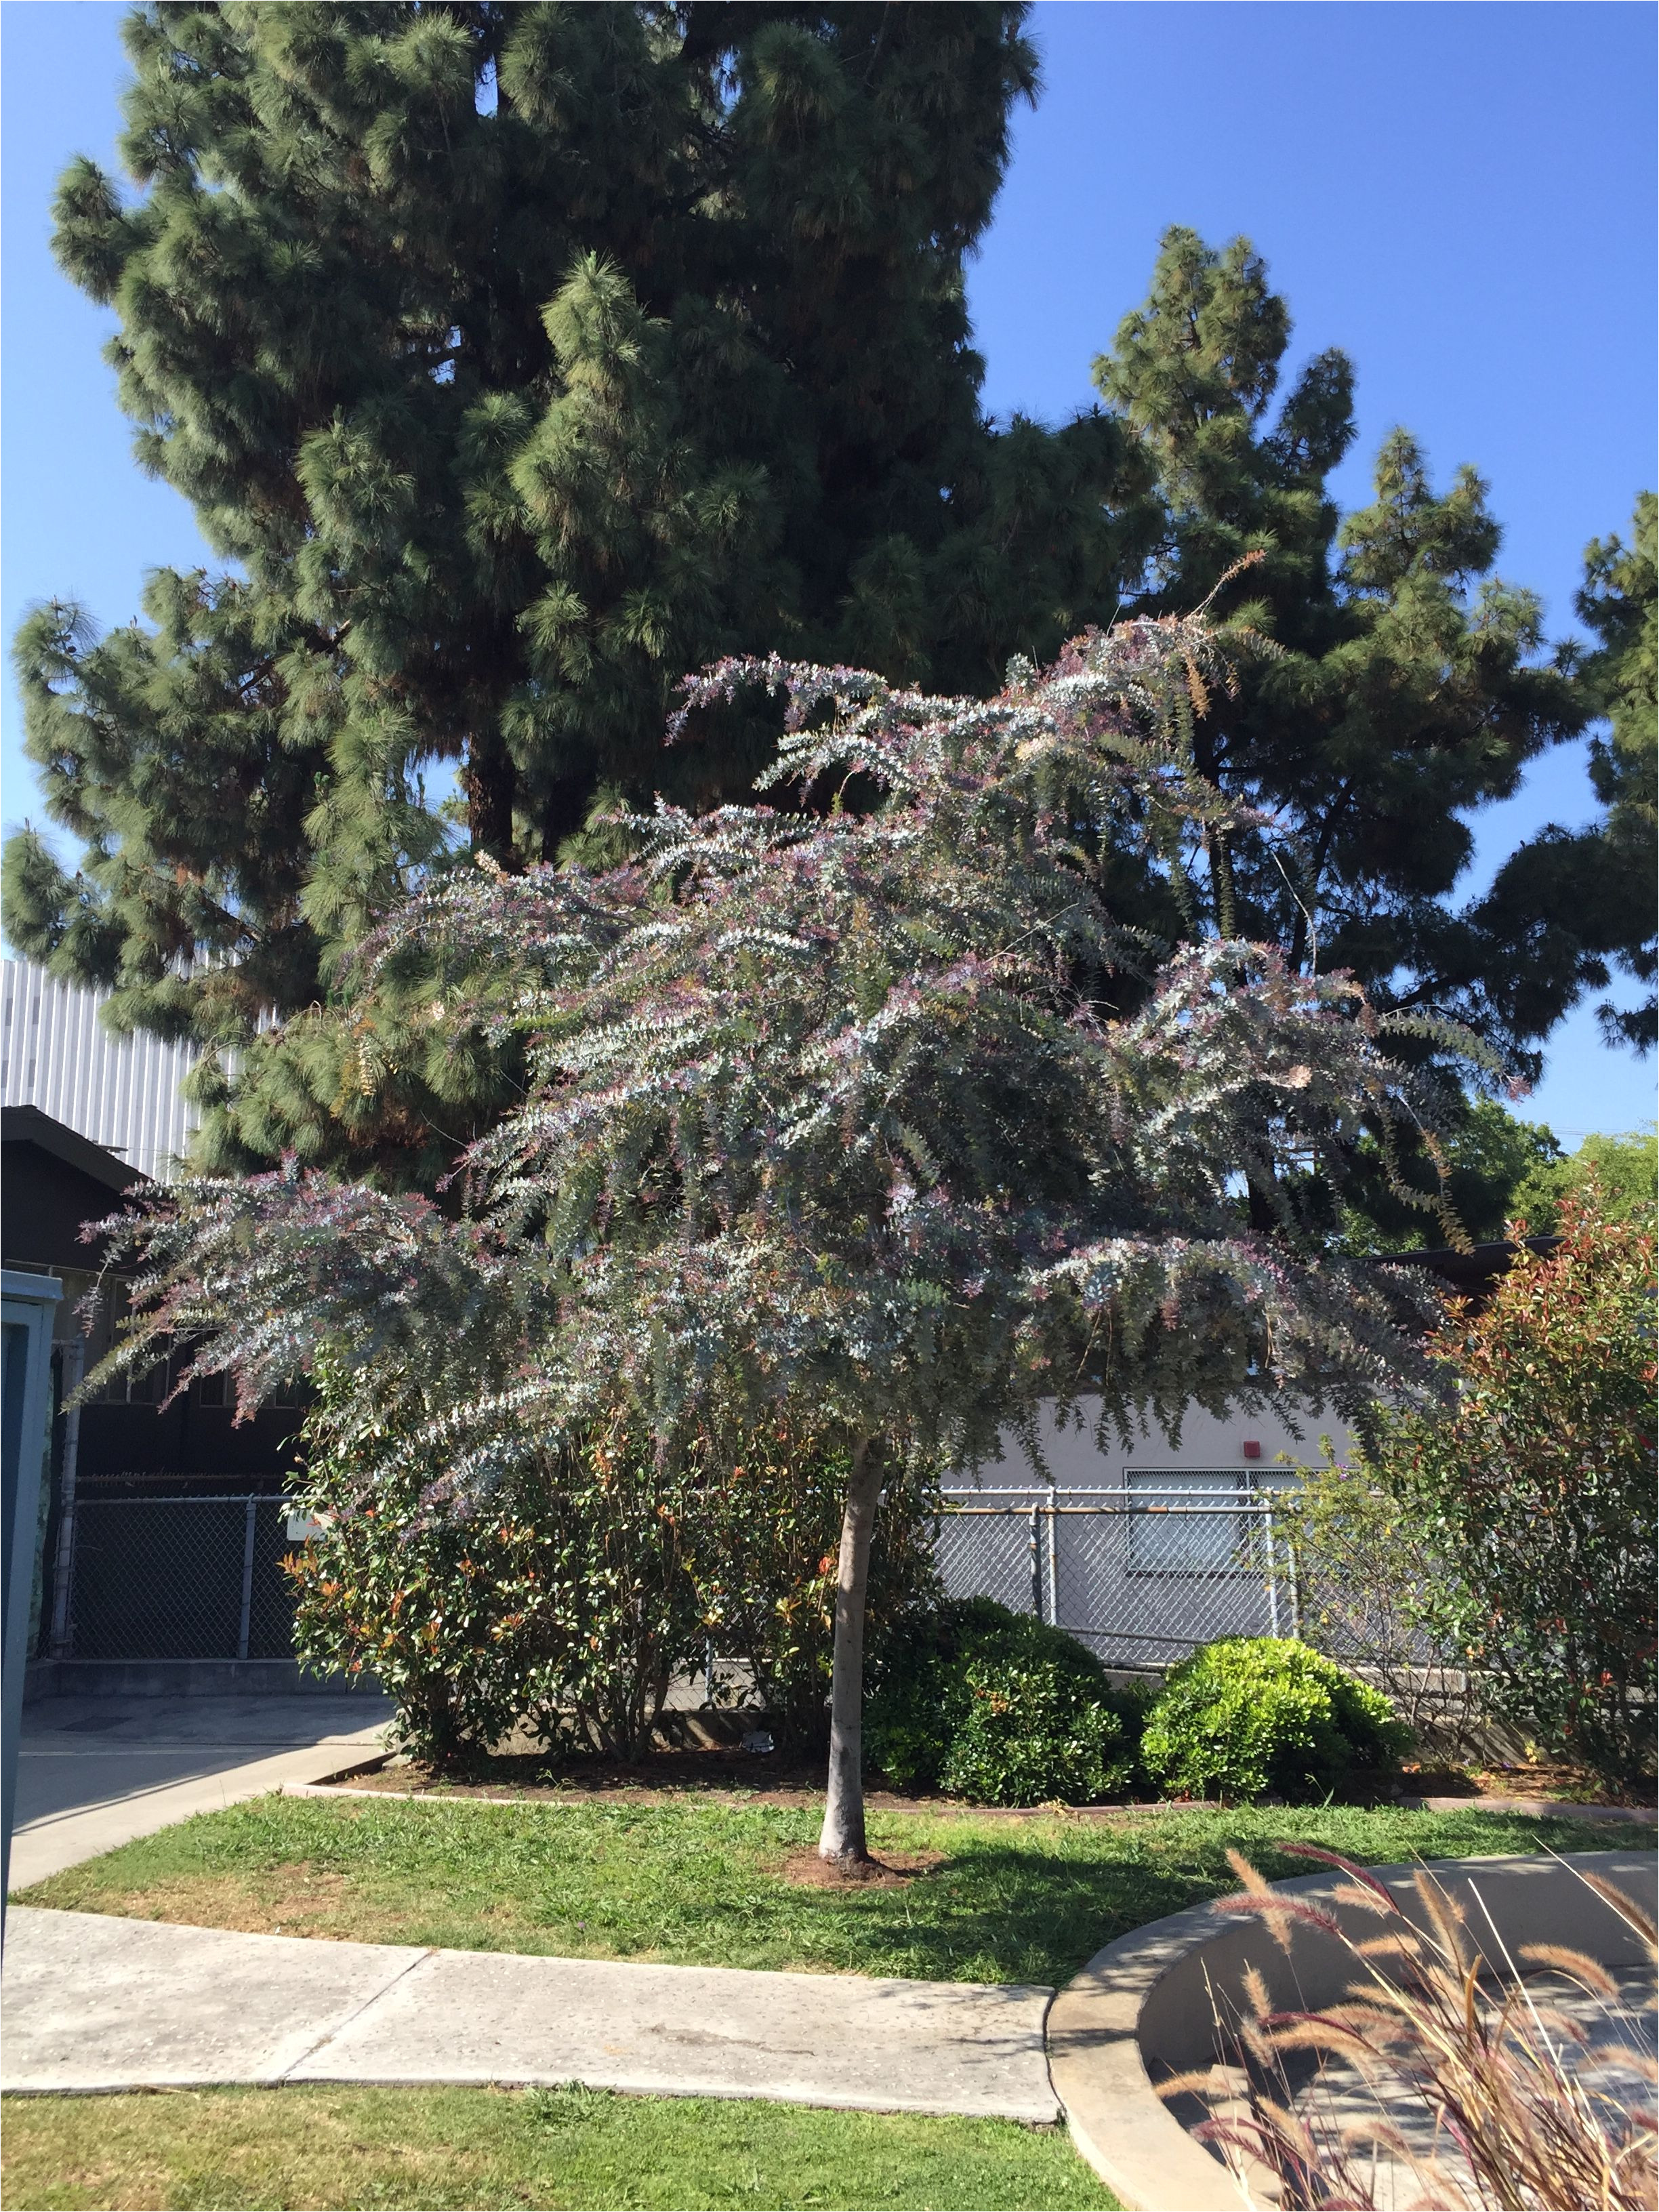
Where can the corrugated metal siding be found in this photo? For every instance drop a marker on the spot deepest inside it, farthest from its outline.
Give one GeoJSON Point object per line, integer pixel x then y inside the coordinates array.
{"type": "Point", "coordinates": [123, 1092]}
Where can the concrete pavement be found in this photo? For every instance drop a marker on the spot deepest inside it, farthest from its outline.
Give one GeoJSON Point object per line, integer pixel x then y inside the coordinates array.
{"type": "Point", "coordinates": [93, 1773]}
{"type": "Point", "coordinates": [95, 2002]}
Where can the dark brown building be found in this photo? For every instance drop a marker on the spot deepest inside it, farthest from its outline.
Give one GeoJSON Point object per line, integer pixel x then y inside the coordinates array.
{"type": "Point", "coordinates": [162, 1533]}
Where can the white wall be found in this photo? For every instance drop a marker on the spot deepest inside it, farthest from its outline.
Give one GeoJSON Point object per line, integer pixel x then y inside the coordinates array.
{"type": "Point", "coordinates": [123, 1092]}
{"type": "Point", "coordinates": [1174, 1554]}
{"type": "Point", "coordinates": [1074, 1460]}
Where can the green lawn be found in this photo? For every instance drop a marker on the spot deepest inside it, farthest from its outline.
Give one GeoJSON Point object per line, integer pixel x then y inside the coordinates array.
{"type": "Point", "coordinates": [697, 1882]}
{"type": "Point", "coordinates": [210, 2151]}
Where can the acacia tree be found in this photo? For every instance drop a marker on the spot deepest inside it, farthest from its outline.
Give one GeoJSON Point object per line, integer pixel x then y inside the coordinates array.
{"type": "Point", "coordinates": [838, 1110]}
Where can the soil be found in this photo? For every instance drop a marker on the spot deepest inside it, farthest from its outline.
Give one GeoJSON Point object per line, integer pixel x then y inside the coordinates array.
{"type": "Point", "coordinates": [892, 1870]}
{"type": "Point", "coordinates": [1571, 1785]}
{"type": "Point", "coordinates": [779, 1778]}
{"type": "Point", "coordinates": [767, 1778]}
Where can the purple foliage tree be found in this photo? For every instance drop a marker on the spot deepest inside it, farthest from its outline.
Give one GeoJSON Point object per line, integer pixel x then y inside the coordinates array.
{"type": "Point", "coordinates": [865, 1105]}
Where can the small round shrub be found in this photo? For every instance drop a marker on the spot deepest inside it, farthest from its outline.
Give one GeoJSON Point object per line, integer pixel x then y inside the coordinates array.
{"type": "Point", "coordinates": [1031, 1733]}
{"type": "Point", "coordinates": [1250, 1715]}
{"type": "Point", "coordinates": [996, 1707]}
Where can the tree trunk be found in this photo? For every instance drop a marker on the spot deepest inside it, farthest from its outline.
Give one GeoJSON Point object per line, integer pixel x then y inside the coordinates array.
{"type": "Point", "coordinates": [1221, 876]}
{"type": "Point", "coordinates": [843, 1809]}
{"type": "Point", "coordinates": [489, 778]}
{"type": "Point", "coordinates": [1264, 1217]}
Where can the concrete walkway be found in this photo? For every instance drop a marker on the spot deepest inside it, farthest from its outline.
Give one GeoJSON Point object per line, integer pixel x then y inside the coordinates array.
{"type": "Point", "coordinates": [93, 1773]}
{"type": "Point", "coordinates": [93, 2002]}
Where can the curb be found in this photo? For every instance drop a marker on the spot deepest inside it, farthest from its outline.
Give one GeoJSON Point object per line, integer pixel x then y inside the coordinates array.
{"type": "Point", "coordinates": [1124, 2019]}
{"type": "Point", "coordinates": [337, 1785]}
{"type": "Point", "coordinates": [1533, 1809]}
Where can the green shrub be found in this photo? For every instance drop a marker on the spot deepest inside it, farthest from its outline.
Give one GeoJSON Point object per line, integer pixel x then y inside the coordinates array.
{"type": "Point", "coordinates": [999, 1707]}
{"type": "Point", "coordinates": [1612, 1178]}
{"type": "Point", "coordinates": [565, 1602]}
{"type": "Point", "coordinates": [1532, 1494]}
{"type": "Point", "coordinates": [1252, 1713]}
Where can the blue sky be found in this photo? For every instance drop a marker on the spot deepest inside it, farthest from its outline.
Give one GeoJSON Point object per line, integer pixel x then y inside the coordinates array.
{"type": "Point", "coordinates": [1459, 195]}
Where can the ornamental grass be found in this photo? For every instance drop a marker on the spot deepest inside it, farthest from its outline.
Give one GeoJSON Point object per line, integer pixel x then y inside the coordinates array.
{"type": "Point", "coordinates": [1486, 2093]}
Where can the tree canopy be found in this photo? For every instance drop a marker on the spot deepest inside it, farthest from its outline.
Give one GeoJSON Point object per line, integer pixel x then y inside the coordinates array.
{"type": "Point", "coordinates": [835, 1112]}
{"type": "Point", "coordinates": [1488, 1157]}
{"type": "Point", "coordinates": [516, 358]}
{"type": "Point", "coordinates": [1620, 603]}
{"type": "Point", "coordinates": [1408, 688]}
{"type": "Point", "coordinates": [1529, 1493]}
{"type": "Point", "coordinates": [1608, 1178]}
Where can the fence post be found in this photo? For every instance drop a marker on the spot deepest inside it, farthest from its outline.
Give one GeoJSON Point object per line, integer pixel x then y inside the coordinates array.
{"type": "Point", "coordinates": [246, 1622]}
{"type": "Point", "coordinates": [62, 1646]}
{"type": "Point", "coordinates": [1054, 1565]}
{"type": "Point", "coordinates": [1036, 1567]}
{"type": "Point", "coordinates": [1272, 1573]}
{"type": "Point", "coordinates": [1296, 1588]}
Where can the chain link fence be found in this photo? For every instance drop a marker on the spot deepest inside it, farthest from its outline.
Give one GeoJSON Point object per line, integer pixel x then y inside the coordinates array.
{"type": "Point", "coordinates": [1142, 1572]}
{"type": "Point", "coordinates": [180, 1578]}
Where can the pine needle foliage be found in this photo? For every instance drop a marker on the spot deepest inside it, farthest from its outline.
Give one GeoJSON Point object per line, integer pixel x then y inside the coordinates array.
{"type": "Point", "coordinates": [833, 1110]}
{"type": "Point", "coordinates": [1620, 603]}
{"type": "Point", "coordinates": [515, 358]}
{"type": "Point", "coordinates": [1413, 684]}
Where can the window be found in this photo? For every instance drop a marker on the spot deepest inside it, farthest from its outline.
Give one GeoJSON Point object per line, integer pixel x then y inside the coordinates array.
{"type": "Point", "coordinates": [1190, 1523]}
{"type": "Point", "coordinates": [145, 1386]}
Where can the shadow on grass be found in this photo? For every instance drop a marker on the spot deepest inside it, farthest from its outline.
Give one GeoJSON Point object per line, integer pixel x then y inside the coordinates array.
{"type": "Point", "coordinates": [696, 1883]}
{"type": "Point", "coordinates": [1029, 1912]}
{"type": "Point", "coordinates": [997, 1914]}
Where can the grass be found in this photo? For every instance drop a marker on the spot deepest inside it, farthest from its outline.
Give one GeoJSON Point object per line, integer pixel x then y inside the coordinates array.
{"type": "Point", "coordinates": [478, 2148]}
{"type": "Point", "coordinates": [691, 1881]}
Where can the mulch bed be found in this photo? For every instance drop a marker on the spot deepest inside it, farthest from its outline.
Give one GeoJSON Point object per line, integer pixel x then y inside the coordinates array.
{"type": "Point", "coordinates": [1542, 1778]}
{"type": "Point", "coordinates": [728, 1775]}
{"type": "Point", "coordinates": [748, 1778]}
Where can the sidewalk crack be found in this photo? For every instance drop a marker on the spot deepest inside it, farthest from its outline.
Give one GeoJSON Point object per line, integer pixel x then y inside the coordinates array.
{"type": "Point", "coordinates": [352, 2019]}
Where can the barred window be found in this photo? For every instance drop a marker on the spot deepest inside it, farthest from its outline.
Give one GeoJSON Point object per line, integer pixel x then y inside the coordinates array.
{"type": "Point", "coordinates": [1190, 1523]}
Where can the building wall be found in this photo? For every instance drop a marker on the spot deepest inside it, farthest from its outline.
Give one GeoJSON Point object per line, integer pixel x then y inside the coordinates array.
{"type": "Point", "coordinates": [1074, 1460]}
{"type": "Point", "coordinates": [123, 1092]}
{"type": "Point", "coordinates": [1145, 1549]}
{"type": "Point", "coordinates": [127, 1430]}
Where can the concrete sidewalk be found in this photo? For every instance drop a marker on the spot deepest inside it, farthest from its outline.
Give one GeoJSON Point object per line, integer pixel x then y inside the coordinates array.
{"type": "Point", "coordinates": [93, 2002]}
{"type": "Point", "coordinates": [93, 1773]}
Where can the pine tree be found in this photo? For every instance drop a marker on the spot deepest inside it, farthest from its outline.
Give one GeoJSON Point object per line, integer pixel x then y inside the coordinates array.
{"type": "Point", "coordinates": [1579, 903]}
{"type": "Point", "coordinates": [1487, 1155]}
{"type": "Point", "coordinates": [1407, 689]}
{"type": "Point", "coordinates": [516, 358]}
{"type": "Point", "coordinates": [1620, 603]}
{"type": "Point", "coordinates": [522, 357]}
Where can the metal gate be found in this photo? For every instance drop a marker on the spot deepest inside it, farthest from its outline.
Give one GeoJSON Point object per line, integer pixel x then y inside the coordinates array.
{"type": "Point", "coordinates": [180, 1578]}
{"type": "Point", "coordinates": [1142, 1572]}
